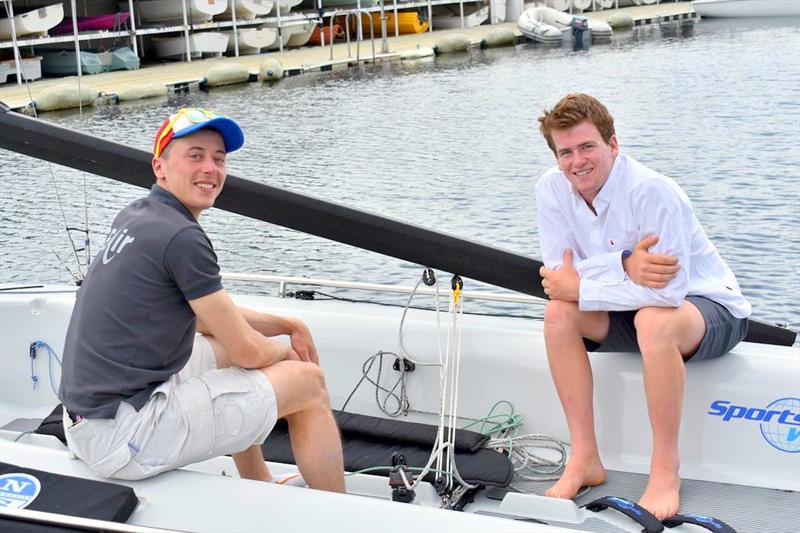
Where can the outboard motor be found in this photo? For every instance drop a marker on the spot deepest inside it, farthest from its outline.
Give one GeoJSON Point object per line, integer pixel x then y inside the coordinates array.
{"type": "Point", "coordinates": [580, 31]}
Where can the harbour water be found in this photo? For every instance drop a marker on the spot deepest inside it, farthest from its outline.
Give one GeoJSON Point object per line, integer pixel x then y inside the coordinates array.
{"type": "Point", "coordinates": [452, 144]}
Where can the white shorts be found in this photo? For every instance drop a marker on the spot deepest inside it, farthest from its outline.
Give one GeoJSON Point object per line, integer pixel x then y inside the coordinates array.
{"type": "Point", "coordinates": [199, 413]}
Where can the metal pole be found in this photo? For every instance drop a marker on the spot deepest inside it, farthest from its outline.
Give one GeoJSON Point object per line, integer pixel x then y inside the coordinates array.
{"type": "Point", "coordinates": [280, 27]}
{"type": "Point", "coordinates": [396, 20]}
{"type": "Point", "coordinates": [461, 12]}
{"type": "Point", "coordinates": [359, 26]}
{"type": "Point", "coordinates": [322, 25]}
{"type": "Point", "coordinates": [186, 32]}
{"type": "Point", "coordinates": [77, 45]}
{"type": "Point", "coordinates": [235, 31]}
{"type": "Point", "coordinates": [17, 58]}
{"type": "Point", "coordinates": [384, 41]}
{"type": "Point", "coordinates": [134, 44]}
{"type": "Point", "coordinates": [430, 17]}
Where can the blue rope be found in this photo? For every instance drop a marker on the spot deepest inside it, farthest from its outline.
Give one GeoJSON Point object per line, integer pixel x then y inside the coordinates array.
{"type": "Point", "coordinates": [51, 354]}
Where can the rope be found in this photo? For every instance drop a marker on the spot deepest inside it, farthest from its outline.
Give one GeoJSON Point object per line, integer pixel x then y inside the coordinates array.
{"type": "Point", "coordinates": [51, 354]}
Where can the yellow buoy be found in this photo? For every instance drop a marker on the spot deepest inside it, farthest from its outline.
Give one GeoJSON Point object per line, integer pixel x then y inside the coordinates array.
{"type": "Point", "coordinates": [65, 96]}
{"type": "Point", "coordinates": [227, 74]}
{"type": "Point", "coordinates": [621, 20]}
{"type": "Point", "coordinates": [499, 37]}
{"type": "Point", "coordinates": [270, 70]}
{"type": "Point", "coordinates": [452, 43]}
{"type": "Point", "coordinates": [139, 91]}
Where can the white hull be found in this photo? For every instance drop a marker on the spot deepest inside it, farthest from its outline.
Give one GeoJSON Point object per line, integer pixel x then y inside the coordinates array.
{"type": "Point", "coordinates": [471, 19]}
{"type": "Point", "coordinates": [199, 43]}
{"type": "Point", "coordinates": [285, 6]}
{"type": "Point", "coordinates": [502, 358]}
{"type": "Point", "coordinates": [295, 33]}
{"type": "Point", "coordinates": [747, 8]}
{"type": "Point", "coordinates": [301, 34]}
{"type": "Point", "coordinates": [249, 9]}
{"type": "Point", "coordinates": [36, 22]}
{"type": "Point", "coordinates": [560, 5]}
{"type": "Point", "coordinates": [171, 11]}
{"type": "Point", "coordinates": [252, 40]}
{"type": "Point", "coordinates": [534, 28]}
{"type": "Point", "coordinates": [581, 5]}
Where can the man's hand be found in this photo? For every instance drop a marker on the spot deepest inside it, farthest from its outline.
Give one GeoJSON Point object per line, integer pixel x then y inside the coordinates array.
{"type": "Point", "coordinates": [302, 343]}
{"type": "Point", "coordinates": [564, 283]}
{"type": "Point", "coordinates": [647, 269]}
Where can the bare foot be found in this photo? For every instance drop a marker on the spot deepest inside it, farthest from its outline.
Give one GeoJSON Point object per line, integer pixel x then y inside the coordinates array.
{"type": "Point", "coordinates": [662, 495]}
{"type": "Point", "coordinates": [578, 474]}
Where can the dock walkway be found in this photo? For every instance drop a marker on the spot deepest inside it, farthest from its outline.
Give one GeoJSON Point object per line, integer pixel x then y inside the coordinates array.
{"type": "Point", "coordinates": [304, 59]}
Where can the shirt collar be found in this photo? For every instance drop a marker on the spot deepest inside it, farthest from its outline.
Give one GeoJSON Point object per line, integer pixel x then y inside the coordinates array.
{"type": "Point", "coordinates": [604, 197]}
{"type": "Point", "coordinates": [160, 194]}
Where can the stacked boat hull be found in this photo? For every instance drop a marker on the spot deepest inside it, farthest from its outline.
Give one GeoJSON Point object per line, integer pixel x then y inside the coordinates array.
{"type": "Point", "coordinates": [36, 22]}
{"type": "Point", "coordinates": [200, 44]}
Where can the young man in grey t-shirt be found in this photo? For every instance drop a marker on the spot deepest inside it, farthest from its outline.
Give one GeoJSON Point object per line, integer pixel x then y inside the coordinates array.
{"type": "Point", "coordinates": [142, 392]}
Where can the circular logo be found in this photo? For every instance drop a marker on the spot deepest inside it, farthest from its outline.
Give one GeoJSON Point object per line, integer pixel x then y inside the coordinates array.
{"type": "Point", "coordinates": [18, 490]}
{"type": "Point", "coordinates": [785, 437]}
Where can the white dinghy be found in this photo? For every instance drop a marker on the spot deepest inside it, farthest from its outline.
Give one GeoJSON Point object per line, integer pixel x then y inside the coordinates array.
{"type": "Point", "coordinates": [248, 9]}
{"type": "Point", "coordinates": [739, 436]}
{"type": "Point", "coordinates": [202, 43]}
{"type": "Point", "coordinates": [35, 22]}
{"type": "Point", "coordinates": [532, 26]}
{"type": "Point", "coordinates": [251, 40]}
{"type": "Point", "coordinates": [747, 8]}
{"type": "Point", "coordinates": [285, 6]}
{"type": "Point", "coordinates": [171, 12]}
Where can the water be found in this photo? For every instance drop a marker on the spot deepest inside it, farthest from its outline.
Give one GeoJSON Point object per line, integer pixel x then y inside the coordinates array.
{"type": "Point", "coordinates": [452, 144]}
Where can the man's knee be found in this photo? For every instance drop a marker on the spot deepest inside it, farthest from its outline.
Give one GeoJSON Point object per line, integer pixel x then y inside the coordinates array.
{"type": "Point", "coordinates": [656, 327]}
{"type": "Point", "coordinates": [559, 315]}
{"type": "Point", "coordinates": [297, 385]}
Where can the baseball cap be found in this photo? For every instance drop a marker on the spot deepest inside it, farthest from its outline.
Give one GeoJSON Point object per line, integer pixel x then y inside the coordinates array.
{"type": "Point", "coordinates": [191, 119]}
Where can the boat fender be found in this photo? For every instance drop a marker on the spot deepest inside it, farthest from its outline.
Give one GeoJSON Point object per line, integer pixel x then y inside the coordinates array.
{"type": "Point", "coordinates": [419, 52]}
{"type": "Point", "coordinates": [65, 96]}
{"type": "Point", "coordinates": [499, 37]}
{"type": "Point", "coordinates": [139, 91]}
{"type": "Point", "coordinates": [226, 74]}
{"type": "Point", "coordinates": [271, 70]}
{"type": "Point", "coordinates": [621, 21]}
{"type": "Point", "coordinates": [452, 43]}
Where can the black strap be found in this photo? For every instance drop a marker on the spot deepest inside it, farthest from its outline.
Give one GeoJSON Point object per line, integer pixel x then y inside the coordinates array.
{"type": "Point", "coordinates": [708, 522]}
{"type": "Point", "coordinates": [639, 514]}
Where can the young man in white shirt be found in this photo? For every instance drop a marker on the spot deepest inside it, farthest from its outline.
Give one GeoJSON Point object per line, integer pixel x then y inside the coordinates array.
{"type": "Point", "coordinates": [627, 268]}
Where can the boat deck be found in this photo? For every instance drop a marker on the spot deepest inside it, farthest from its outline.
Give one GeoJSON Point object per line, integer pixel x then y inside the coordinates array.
{"type": "Point", "coordinates": [296, 61]}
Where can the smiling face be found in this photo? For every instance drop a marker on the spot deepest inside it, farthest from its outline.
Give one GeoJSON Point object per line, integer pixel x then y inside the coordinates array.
{"type": "Point", "coordinates": [584, 157]}
{"type": "Point", "coordinates": [193, 169]}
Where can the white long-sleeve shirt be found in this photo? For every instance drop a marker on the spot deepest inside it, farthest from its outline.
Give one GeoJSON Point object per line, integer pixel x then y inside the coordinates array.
{"type": "Point", "coordinates": [634, 202]}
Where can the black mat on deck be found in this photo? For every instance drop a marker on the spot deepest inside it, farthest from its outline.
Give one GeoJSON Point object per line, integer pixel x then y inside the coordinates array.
{"type": "Point", "coordinates": [64, 495]}
{"type": "Point", "coordinates": [369, 442]}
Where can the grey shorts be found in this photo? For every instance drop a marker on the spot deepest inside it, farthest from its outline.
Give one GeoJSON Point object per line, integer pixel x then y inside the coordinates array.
{"type": "Point", "coordinates": [197, 414]}
{"type": "Point", "coordinates": [723, 331]}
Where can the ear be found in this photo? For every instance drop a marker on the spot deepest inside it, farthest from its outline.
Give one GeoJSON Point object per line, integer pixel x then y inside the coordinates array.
{"type": "Point", "coordinates": [614, 144]}
{"type": "Point", "coordinates": [158, 168]}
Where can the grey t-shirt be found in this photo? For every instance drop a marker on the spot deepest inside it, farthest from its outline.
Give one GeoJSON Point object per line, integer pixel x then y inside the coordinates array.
{"type": "Point", "coordinates": [132, 326]}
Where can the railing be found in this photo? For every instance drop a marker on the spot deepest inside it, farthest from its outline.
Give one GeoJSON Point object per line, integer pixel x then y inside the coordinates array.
{"type": "Point", "coordinates": [284, 281]}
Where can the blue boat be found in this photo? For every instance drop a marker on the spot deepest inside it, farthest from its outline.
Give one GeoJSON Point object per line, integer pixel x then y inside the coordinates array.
{"type": "Point", "coordinates": [62, 62]}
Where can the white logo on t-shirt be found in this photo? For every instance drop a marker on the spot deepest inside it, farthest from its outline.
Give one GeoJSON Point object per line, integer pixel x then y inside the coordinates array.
{"type": "Point", "coordinates": [116, 241]}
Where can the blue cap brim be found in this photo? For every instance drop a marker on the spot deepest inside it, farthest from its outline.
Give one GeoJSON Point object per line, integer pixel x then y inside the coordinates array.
{"type": "Point", "coordinates": [232, 134]}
